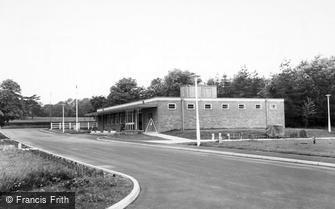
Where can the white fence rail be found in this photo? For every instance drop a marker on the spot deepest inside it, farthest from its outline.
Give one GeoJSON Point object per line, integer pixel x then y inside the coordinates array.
{"type": "Point", "coordinates": [67, 125]}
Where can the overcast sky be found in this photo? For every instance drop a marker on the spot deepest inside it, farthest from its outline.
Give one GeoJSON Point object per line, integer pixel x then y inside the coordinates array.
{"type": "Point", "coordinates": [50, 46]}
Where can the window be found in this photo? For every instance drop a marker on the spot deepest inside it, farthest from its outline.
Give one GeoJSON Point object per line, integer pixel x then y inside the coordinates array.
{"type": "Point", "coordinates": [117, 118]}
{"type": "Point", "coordinates": [258, 106]}
{"type": "Point", "coordinates": [172, 106]}
{"type": "Point", "coordinates": [190, 106]}
{"type": "Point", "coordinates": [241, 106]}
{"type": "Point", "coordinates": [113, 119]}
{"type": "Point", "coordinates": [273, 106]}
{"type": "Point", "coordinates": [208, 106]}
{"type": "Point", "coordinates": [225, 106]}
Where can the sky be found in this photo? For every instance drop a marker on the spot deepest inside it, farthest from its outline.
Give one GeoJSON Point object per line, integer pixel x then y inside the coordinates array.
{"type": "Point", "coordinates": [50, 46]}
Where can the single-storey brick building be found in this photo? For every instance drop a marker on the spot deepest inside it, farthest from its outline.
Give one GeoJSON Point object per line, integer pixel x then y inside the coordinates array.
{"type": "Point", "coordinates": [169, 113]}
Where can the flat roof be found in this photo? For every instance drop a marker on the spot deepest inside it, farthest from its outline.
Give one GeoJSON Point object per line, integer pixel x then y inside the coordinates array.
{"type": "Point", "coordinates": [148, 103]}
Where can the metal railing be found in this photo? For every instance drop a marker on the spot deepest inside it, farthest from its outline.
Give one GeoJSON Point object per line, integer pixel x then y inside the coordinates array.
{"type": "Point", "coordinates": [69, 126]}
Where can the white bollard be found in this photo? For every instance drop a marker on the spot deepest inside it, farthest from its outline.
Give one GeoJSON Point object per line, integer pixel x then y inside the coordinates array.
{"type": "Point", "coordinates": [213, 137]}
{"type": "Point", "coordinates": [88, 125]}
{"type": "Point", "coordinates": [60, 125]}
{"type": "Point", "coordinates": [70, 126]}
{"type": "Point", "coordinates": [51, 126]}
{"type": "Point", "coordinates": [220, 138]}
{"type": "Point", "coordinates": [228, 136]}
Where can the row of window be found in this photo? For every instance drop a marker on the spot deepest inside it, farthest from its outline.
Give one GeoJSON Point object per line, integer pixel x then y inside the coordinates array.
{"type": "Point", "coordinates": [208, 106]}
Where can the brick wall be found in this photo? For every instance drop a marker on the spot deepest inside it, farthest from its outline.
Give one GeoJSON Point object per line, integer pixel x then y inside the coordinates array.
{"type": "Point", "coordinates": [270, 112]}
{"type": "Point", "coordinates": [217, 117]}
{"type": "Point", "coordinates": [169, 119]}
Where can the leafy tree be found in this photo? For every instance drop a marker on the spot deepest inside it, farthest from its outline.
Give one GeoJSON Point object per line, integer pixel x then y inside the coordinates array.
{"type": "Point", "coordinates": [223, 85]}
{"type": "Point", "coordinates": [157, 88]}
{"type": "Point", "coordinates": [246, 84]}
{"type": "Point", "coordinates": [170, 84]}
{"type": "Point", "coordinates": [175, 79]}
{"type": "Point", "coordinates": [32, 107]}
{"type": "Point", "coordinates": [56, 110]}
{"type": "Point", "coordinates": [11, 86]}
{"type": "Point", "coordinates": [313, 79]}
{"type": "Point", "coordinates": [308, 110]}
{"type": "Point", "coordinates": [125, 90]}
{"type": "Point", "coordinates": [2, 119]}
{"type": "Point", "coordinates": [98, 102]}
{"type": "Point", "coordinates": [84, 106]}
{"type": "Point", "coordinates": [11, 102]}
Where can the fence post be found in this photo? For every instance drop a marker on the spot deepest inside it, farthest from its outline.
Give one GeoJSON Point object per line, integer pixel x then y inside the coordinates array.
{"type": "Point", "coordinates": [213, 136]}
{"type": "Point", "coordinates": [228, 135]}
{"type": "Point", "coordinates": [220, 138]}
{"type": "Point", "coordinates": [70, 126]}
{"type": "Point", "coordinates": [60, 125]}
{"type": "Point", "coordinates": [88, 125]}
{"type": "Point", "coordinates": [51, 126]}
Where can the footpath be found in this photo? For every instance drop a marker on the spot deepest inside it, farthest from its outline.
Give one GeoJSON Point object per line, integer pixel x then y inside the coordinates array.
{"type": "Point", "coordinates": [292, 157]}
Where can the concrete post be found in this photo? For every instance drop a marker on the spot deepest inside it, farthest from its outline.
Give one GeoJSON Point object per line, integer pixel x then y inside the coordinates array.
{"type": "Point", "coordinates": [197, 111]}
{"type": "Point", "coordinates": [329, 125]}
{"type": "Point", "coordinates": [63, 120]}
{"type": "Point", "coordinates": [228, 135]}
{"type": "Point", "coordinates": [220, 138]}
{"type": "Point", "coordinates": [213, 136]}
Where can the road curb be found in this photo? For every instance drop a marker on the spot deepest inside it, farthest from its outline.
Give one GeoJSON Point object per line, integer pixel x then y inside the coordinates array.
{"type": "Point", "coordinates": [126, 201]}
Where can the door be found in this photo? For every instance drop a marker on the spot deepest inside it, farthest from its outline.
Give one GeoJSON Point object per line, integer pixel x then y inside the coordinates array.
{"type": "Point", "coordinates": [140, 121]}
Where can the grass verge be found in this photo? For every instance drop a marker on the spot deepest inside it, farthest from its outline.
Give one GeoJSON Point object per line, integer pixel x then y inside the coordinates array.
{"type": "Point", "coordinates": [246, 133]}
{"type": "Point", "coordinates": [322, 147]}
{"type": "Point", "coordinates": [28, 171]}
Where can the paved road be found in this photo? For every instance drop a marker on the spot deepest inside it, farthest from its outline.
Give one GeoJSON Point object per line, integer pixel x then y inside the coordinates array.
{"type": "Point", "coordinates": [172, 179]}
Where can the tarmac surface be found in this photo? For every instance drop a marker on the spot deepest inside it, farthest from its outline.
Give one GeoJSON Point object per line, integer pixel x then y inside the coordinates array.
{"type": "Point", "coordinates": [184, 179]}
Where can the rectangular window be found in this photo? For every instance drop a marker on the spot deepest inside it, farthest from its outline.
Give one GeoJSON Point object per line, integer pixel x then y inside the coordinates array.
{"type": "Point", "coordinates": [172, 106]}
{"type": "Point", "coordinates": [273, 106]}
{"type": "Point", "coordinates": [241, 106]}
{"type": "Point", "coordinates": [208, 106]}
{"type": "Point", "coordinates": [113, 119]}
{"type": "Point", "coordinates": [225, 106]}
{"type": "Point", "coordinates": [258, 106]}
{"type": "Point", "coordinates": [117, 118]}
{"type": "Point", "coordinates": [190, 106]}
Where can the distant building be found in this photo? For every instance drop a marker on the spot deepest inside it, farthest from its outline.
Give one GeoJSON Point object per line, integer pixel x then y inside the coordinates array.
{"type": "Point", "coordinates": [169, 113]}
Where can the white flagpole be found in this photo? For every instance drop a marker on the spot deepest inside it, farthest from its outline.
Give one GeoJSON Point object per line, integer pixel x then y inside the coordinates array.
{"type": "Point", "coordinates": [63, 121]}
{"type": "Point", "coordinates": [197, 110]}
{"type": "Point", "coordinates": [77, 123]}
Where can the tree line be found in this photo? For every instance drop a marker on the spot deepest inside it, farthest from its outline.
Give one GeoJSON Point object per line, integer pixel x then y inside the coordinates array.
{"type": "Point", "coordinates": [14, 105]}
{"type": "Point", "coordinates": [303, 87]}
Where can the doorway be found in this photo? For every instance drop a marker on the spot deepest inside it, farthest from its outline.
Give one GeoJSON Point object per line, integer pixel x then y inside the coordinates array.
{"type": "Point", "coordinates": [140, 121]}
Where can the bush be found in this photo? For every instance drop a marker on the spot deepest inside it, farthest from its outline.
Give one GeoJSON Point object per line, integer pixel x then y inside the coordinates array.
{"type": "Point", "coordinates": [302, 134]}
{"type": "Point", "coordinates": [275, 131]}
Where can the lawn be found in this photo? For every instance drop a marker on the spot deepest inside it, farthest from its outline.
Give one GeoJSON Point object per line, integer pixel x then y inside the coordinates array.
{"type": "Point", "coordinates": [322, 147]}
{"type": "Point", "coordinates": [247, 133]}
{"type": "Point", "coordinates": [27, 171]}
